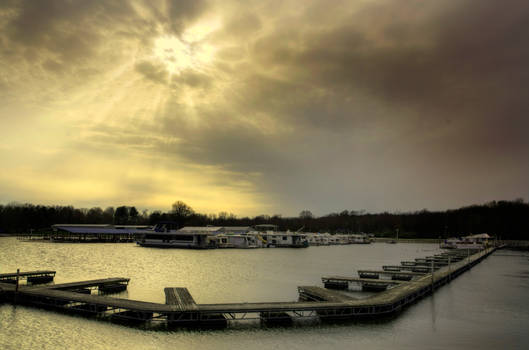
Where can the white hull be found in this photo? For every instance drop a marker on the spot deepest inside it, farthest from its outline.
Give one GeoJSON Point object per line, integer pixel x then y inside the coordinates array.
{"type": "Point", "coordinates": [161, 244]}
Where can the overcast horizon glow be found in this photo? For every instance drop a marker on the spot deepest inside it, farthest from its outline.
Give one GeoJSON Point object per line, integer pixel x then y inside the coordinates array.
{"type": "Point", "coordinates": [264, 107]}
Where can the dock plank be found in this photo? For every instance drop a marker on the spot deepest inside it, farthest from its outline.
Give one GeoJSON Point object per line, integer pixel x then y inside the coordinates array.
{"type": "Point", "coordinates": [180, 298]}
{"type": "Point", "coordinates": [391, 273]}
{"type": "Point", "coordinates": [95, 299]}
{"type": "Point", "coordinates": [85, 284]}
{"type": "Point", "coordinates": [322, 294]}
{"type": "Point", "coordinates": [362, 280]}
{"type": "Point", "coordinates": [27, 273]}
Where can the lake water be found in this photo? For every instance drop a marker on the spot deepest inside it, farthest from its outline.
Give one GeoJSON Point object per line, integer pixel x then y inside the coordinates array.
{"type": "Point", "coordinates": [485, 308]}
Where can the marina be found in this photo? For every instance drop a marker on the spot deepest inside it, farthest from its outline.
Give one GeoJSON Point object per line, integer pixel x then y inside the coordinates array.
{"type": "Point", "coordinates": [456, 312]}
{"type": "Point", "coordinates": [167, 234]}
{"type": "Point", "coordinates": [240, 175]}
{"type": "Point", "coordinates": [180, 309]}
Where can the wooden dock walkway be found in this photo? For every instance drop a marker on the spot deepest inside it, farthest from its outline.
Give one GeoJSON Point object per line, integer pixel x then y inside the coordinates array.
{"type": "Point", "coordinates": [425, 269]}
{"type": "Point", "coordinates": [180, 298]}
{"type": "Point", "coordinates": [360, 280]}
{"type": "Point", "coordinates": [33, 277]}
{"type": "Point", "coordinates": [367, 284]}
{"type": "Point", "coordinates": [87, 284]}
{"type": "Point", "coordinates": [26, 274]}
{"type": "Point", "coordinates": [436, 263]}
{"type": "Point", "coordinates": [391, 273]}
{"type": "Point", "coordinates": [313, 293]}
{"type": "Point", "coordinates": [180, 309]}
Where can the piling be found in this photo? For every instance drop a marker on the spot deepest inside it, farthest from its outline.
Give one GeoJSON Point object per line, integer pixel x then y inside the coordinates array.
{"type": "Point", "coordinates": [17, 282]}
{"type": "Point", "coordinates": [432, 272]}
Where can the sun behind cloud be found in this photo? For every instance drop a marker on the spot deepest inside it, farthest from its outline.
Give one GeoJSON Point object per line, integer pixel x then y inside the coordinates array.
{"type": "Point", "coordinates": [263, 107]}
{"type": "Point", "coordinates": [187, 51]}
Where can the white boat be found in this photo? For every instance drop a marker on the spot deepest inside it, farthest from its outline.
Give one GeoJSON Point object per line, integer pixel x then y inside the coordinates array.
{"type": "Point", "coordinates": [360, 239]}
{"type": "Point", "coordinates": [285, 240]}
{"type": "Point", "coordinates": [177, 240]}
{"type": "Point", "coordinates": [237, 241]}
{"type": "Point", "coordinates": [271, 238]}
{"type": "Point", "coordinates": [316, 239]}
{"type": "Point", "coordinates": [163, 236]}
{"type": "Point", "coordinates": [479, 241]}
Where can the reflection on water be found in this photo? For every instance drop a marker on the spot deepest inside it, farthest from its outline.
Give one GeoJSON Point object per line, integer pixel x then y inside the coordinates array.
{"type": "Point", "coordinates": [431, 300]}
{"type": "Point", "coordinates": [484, 308]}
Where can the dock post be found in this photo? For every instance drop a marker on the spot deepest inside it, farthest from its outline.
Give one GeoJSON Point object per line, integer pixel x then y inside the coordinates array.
{"type": "Point", "coordinates": [16, 285]}
{"type": "Point", "coordinates": [432, 276]}
{"type": "Point", "coordinates": [18, 277]}
{"type": "Point", "coordinates": [449, 269]}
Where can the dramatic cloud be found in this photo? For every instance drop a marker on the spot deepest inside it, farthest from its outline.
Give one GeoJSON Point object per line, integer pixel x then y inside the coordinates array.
{"type": "Point", "coordinates": [265, 107]}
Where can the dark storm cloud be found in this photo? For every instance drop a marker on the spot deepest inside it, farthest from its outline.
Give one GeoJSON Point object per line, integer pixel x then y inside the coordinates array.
{"type": "Point", "coordinates": [456, 60]}
{"type": "Point", "coordinates": [180, 13]}
{"type": "Point", "coordinates": [73, 30]}
{"type": "Point", "coordinates": [440, 88]}
{"type": "Point", "coordinates": [339, 105]}
{"type": "Point", "coordinates": [69, 29]}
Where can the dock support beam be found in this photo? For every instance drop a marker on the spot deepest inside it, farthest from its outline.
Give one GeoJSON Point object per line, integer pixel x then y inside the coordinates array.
{"type": "Point", "coordinates": [336, 285]}
{"type": "Point", "coordinates": [275, 319]}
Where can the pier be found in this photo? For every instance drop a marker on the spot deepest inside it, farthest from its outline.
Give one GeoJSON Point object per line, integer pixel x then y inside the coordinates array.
{"type": "Point", "coordinates": [33, 277]}
{"type": "Point", "coordinates": [368, 284]}
{"type": "Point", "coordinates": [390, 274]}
{"type": "Point", "coordinates": [396, 289]}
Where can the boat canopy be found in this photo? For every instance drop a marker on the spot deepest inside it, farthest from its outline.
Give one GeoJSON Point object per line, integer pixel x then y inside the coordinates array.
{"type": "Point", "coordinates": [479, 236]}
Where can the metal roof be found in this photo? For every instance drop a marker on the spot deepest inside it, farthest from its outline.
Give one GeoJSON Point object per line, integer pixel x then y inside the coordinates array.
{"type": "Point", "coordinates": [82, 225]}
{"type": "Point", "coordinates": [99, 230]}
{"type": "Point", "coordinates": [201, 229]}
{"type": "Point", "coordinates": [180, 233]}
{"type": "Point", "coordinates": [481, 235]}
{"type": "Point", "coordinates": [237, 228]}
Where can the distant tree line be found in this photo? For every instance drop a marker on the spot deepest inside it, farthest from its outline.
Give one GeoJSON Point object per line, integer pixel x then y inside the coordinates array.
{"type": "Point", "coordinates": [505, 219]}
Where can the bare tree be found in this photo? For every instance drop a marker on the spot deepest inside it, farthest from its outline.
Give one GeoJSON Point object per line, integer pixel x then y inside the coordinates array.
{"type": "Point", "coordinates": [306, 214]}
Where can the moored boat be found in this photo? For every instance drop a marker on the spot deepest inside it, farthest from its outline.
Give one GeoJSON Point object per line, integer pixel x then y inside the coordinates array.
{"type": "Point", "coordinates": [237, 241]}
{"type": "Point", "coordinates": [479, 241]}
{"type": "Point", "coordinates": [163, 236]}
{"type": "Point", "coordinates": [177, 240]}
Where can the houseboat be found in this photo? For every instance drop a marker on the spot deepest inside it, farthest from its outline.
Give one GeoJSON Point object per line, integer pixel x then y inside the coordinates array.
{"type": "Point", "coordinates": [164, 236]}
{"type": "Point", "coordinates": [197, 240]}
{"type": "Point", "coordinates": [317, 239]}
{"type": "Point", "coordinates": [244, 241]}
{"type": "Point", "coordinates": [361, 238]}
{"type": "Point", "coordinates": [272, 238]}
{"type": "Point", "coordinates": [479, 241]}
{"type": "Point", "coordinates": [285, 240]}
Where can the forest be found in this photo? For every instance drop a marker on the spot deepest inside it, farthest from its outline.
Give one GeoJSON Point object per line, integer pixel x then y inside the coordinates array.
{"type": "Point", "coordinates": [502, 219]}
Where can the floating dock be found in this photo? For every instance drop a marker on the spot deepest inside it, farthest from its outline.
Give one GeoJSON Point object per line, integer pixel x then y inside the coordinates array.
{"type": "Point", "coordinates": [367, 284]}
{"type": "Point", "coordinates": [403, 275]}
{"type": "Point", "coordinates": [33, 277]}
{"type": "Point", "coordinates": [181, 311]}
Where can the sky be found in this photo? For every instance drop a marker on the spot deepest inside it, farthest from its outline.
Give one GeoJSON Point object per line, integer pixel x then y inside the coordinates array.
{"type": "Point", "coordinates": [264, 107]}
